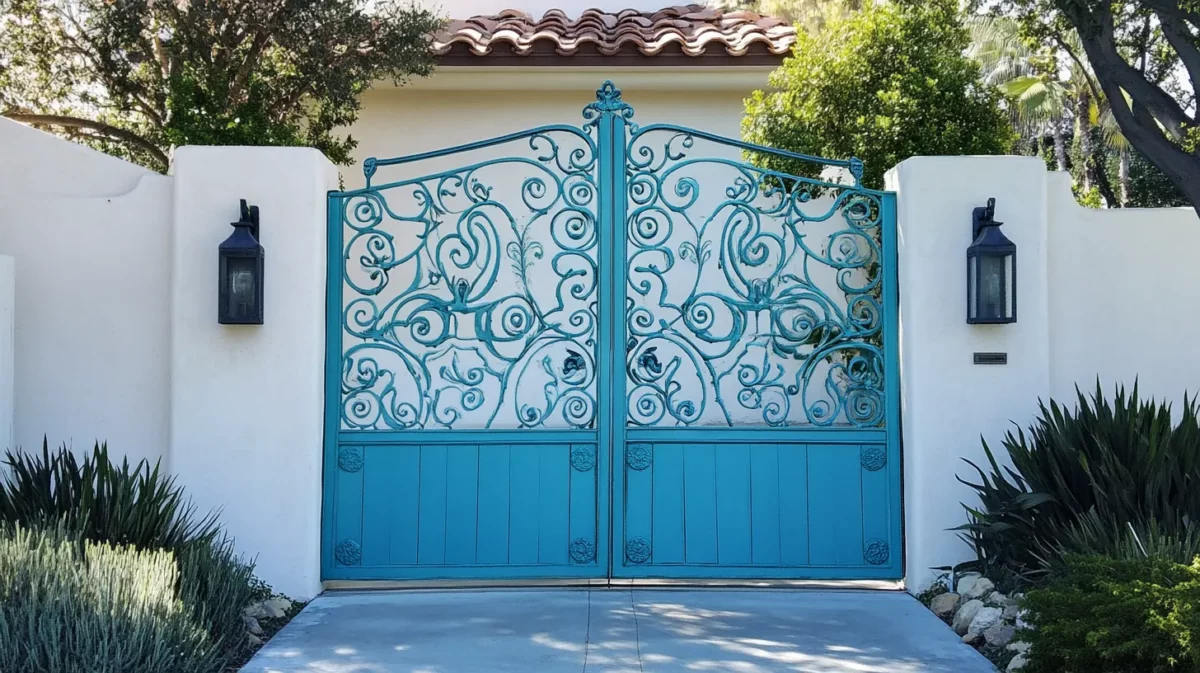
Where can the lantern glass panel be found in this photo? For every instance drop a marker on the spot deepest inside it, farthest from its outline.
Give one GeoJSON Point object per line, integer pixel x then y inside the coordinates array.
{"type": "Point", "coordinates": [240, 279]}
{"type": "Point", "coordinates": [993, 302]}
{"type": "Point", "coordinates": [1010, 290]}
{"type": "Point", "coordinates": [972, 294]}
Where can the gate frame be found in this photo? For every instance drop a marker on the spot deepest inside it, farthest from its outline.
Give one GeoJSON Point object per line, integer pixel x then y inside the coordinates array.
{"type": "Point", "coordinates": [611, 115]}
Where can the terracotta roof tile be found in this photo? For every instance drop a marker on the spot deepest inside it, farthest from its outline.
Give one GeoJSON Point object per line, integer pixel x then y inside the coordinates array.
{"type": "Point", "coordinates": [694, 30]}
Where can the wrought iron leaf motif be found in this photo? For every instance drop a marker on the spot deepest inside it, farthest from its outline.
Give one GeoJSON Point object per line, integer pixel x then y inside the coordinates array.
{"type": "Point", "coordinates": [582, 550]}
{"type": "Point", "coordinates": [876, 552]}
{"type": "Point", "coordinates": [583, 458]}
{"type": "Point", "coordinates": [637, 550]}
{"type": "Point", "coordinates": [348, 553]}
{"type": "Point", "coordinates": [754, 298]}
{"type": "Point", "coordinates": [350, 458]}
{"type": "Point", "coordinates": [873, 458]}
{"type": "Point", "coordinates": [470, 294]}
{"type": "Point", "coordinates": [639, 456]}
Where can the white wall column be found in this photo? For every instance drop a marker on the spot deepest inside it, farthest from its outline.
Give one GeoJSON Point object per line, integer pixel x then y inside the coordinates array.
{"type": "Point", "coordinates": [247, 401]}
{"type": "Point", "coordinates": [948, 402]}
{"type": "Point", "coordinates": [8, 303]}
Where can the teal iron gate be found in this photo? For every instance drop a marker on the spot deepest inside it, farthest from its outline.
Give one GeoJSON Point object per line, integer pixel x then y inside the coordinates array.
{"type": "Point", "coordinates": [611, 351]}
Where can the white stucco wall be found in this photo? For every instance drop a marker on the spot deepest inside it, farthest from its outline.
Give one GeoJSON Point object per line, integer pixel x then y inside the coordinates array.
{"type": "Point", "coordinates": [1124, 291]}
{"type": "Point", "coordinates": [248, 400]}
{"type": "Point", "coordinates": [948, 402]}
{"type": "Point", "coordinates": [89, 237]}
{"type": "Point", "coordinates": [463, 105]}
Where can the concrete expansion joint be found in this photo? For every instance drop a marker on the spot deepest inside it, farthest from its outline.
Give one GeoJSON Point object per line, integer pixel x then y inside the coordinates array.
{"type": "Point", "coordinates": [637, 635]}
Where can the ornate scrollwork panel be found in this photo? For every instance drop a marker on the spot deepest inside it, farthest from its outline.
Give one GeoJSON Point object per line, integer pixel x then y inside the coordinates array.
{"type": "Point", "coordinates": [470, 294]}
{"type": "Point", "coordinates": [753, 296]}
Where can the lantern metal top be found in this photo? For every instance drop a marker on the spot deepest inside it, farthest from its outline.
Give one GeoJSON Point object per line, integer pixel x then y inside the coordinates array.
{"type": "Point", "coordinates": [985, 231]}
{"type": "Point", "coordinates": [245, 231]}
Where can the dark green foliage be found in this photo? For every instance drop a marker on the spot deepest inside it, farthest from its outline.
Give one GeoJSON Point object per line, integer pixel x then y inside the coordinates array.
{"type": "Point", "coordinates": [123, 505]}
{"type": "Point", "coordinates": [1105, 615]}
{"type": "Point", "coordinates": [69, 607]}
{"type": "Point", "coordinates": [1121, 479]}
{"type": "Point", "coordinates": [137, 78]}
{"type": "Point", "coordinates": [881, 84]}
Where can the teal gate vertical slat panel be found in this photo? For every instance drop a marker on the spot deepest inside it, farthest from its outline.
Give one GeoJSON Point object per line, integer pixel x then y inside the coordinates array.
{"type": "Point", "coordinates": [639, 484]}
{"type": "Point", "coordinates": [525, 482]}
{"type": "Point", "coordinates": [700, 502]}
{"type": "Point", "coordinates": [378, 468]}
{"type": "Point", "coordinates": [583, 514]}
{"type": "Point", "coordinates": [462, 503]}
{"type": "Point", "coordinates": [403, 483]}
{"type": "Point", "coordinates": [835, 505]}
{"type": "Point", "coordinates": [764, 504]}
{"type": "Point", "coordinates": [734, 523]}
{"type": "Point", "coordinates": [431, 538]}
{"type": "Point", "coordinates": [794, 534]}
{"type": "Point", "coordinates": [555, 497]}
{"type": "Point", "coordinates": [667, 505]}
{"type": "Point", "coordinates": [493, 526]}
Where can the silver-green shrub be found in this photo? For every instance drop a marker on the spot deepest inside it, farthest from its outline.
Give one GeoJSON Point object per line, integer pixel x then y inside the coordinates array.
{"type": "Point", "coordinates": [68, 606]}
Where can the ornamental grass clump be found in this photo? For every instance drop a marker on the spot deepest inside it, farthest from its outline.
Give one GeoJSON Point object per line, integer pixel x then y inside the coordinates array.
{"type": "Point", "coordinates": [1120, 479]}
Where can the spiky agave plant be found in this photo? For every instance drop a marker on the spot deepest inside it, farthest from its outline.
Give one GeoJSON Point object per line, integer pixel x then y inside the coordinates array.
{"type": "Point", "coordinates": [101, 500]}
{"type": "Point", "coordinates": [1118, 478]}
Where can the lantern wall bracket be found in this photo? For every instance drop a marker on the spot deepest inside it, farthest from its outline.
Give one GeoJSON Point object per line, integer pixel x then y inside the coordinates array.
{"type": "Point", "coordinates": [981, 216]}
{"type": "Point", "coordinates": [249, 215]}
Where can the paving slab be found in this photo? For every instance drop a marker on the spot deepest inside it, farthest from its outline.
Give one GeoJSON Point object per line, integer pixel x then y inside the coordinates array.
{"type": "Point", "coordinates": [617, 631]}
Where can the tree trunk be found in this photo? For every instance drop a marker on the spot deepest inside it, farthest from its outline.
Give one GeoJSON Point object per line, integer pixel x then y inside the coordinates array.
{"type": "Point", "coordinates": [1123, 177]}
{"type": "Point", "coordinates": [1083, 134]}
{"type": "Point", "coordinates": [1060, 143]}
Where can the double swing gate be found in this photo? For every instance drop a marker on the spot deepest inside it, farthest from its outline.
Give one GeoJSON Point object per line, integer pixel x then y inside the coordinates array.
{"type": "Point", "coordinates": [611, 351]}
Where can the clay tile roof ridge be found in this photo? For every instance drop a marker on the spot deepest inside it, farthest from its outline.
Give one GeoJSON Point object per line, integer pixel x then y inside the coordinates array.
{"type": "Point", "coordinates": [695, 28]}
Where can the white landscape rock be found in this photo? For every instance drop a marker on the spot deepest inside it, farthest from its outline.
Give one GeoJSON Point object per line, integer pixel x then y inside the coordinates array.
{"type": "Point", "coordinates": [984, 619]}
{"type": "Point", "coordinates": [1020, 647]}
{"type": "Point", "coordinates": [276, 607]}
{"type": "Point", "coordinates": [1018, 662]}
{"type": "Point", "coordinates": [252, 625]}
{"type": "Point", "coordinates": [966, 582]}
{"type": "Point", "coordinates": [944, 604]}
{"type": "Point", "coordinates": [982, 587]}
{"type": "Point", "coordinates": [965, 615]}
{"type": "Point", "coordinates": [999, 634]}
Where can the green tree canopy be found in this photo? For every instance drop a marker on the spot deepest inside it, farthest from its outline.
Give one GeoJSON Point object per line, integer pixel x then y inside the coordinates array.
{"type": "Point", "coordinates": [882, 84]}
{"type": "Point", "coordinates": [139, 77]}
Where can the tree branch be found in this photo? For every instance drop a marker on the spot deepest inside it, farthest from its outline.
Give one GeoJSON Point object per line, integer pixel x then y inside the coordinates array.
{"type": "Point", "coordinates": [108, 130]}
{"type": "Point", "coordinates": [1183, 42]}
{"type": "Point", "coordinates": [1096, 35]}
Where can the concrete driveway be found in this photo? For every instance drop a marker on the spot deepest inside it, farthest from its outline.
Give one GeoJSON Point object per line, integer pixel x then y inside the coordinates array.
{"type": "Point", "coordinates": [617, 631]}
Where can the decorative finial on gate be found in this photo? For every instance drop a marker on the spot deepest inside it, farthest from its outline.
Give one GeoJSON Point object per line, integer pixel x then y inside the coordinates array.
{"type": "Point", "coordinates": [608, 99]}
{"type": "Point", "coordinates": [608, 95]}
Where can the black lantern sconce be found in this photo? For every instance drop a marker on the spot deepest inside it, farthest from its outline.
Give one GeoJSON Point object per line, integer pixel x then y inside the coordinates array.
{"type": "Point", "coordinates": [240, 296]}
{"type": "Point", "coordinates": [991, 271]}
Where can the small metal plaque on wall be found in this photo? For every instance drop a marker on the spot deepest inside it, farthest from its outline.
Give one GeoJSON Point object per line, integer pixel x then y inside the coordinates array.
{"type": "Point", "coordinates": [991, 358]}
